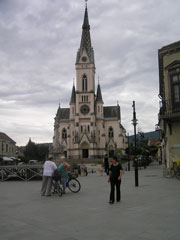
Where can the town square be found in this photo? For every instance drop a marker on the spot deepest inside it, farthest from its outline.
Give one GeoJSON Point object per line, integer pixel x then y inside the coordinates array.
{"type": "Point", "coordinates": [90, 120]}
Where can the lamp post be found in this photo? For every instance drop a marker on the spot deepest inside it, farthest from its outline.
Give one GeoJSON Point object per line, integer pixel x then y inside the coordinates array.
{"type": "Point", "coordinates": [128, 154]}
{"type": "Point", "coordinates": [134, 122]}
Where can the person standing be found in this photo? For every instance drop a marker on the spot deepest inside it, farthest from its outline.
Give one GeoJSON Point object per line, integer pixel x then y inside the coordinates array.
{"type": "Point", "coordinates": [106, 164]}
{"type": "Point", "coordinates": [48, 169]}
{"type": "Point", "coordinates": [115, 174]}
{"type": "Point", "coordinates": [63, 168]}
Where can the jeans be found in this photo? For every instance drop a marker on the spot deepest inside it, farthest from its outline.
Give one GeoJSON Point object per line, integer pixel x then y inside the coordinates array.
{"type": "Point", "coordinates": [64, 182]}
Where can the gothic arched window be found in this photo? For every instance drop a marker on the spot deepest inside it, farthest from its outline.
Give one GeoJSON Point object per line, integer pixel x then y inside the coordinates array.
{"type": "Point", "coordinates": [64, 133]}
{"type": "Point", "coordinates": [84, 82]}
{"type": "Point", "coordinates": [111, 132]}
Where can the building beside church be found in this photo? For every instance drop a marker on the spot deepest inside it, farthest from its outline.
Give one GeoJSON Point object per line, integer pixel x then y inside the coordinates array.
{"type": "Point", "coordinates": [7, 146]}
{"type": "Point", "coordinates": [88, 129]}
{"type": "Point", "coordinates": [169, 93]}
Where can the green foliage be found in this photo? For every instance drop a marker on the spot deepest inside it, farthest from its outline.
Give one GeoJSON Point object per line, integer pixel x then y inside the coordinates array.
{"type": "Point", "coordinates": [30, 151]}
{"type": "Point", "coordinates": [35, 152]}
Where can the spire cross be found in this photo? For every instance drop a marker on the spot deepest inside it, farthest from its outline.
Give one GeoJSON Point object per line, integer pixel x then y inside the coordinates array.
{"type": "Point", "coordinates": [98, 79]}
{"type": "Point", "coordinates": [86, 2]}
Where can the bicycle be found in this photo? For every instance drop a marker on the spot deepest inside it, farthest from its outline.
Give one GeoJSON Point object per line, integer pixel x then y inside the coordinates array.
{"type": "Point", "coordinates": [56, 187]}
{"type": "Point", "coordinates": [175, 166]}
{"type": "Point", "coordinates": [72, 184]}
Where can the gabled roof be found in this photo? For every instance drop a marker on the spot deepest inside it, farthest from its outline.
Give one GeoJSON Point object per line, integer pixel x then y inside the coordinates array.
{"type": "Point", "coordinates": [6, 138]}
{"type": "Point", "coordinates": [112, 112]}
{"type": "Point", "coordinates": [63, 113]}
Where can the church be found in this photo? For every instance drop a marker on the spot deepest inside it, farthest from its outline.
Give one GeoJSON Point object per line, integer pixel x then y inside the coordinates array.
{"type": "Point", "coordinates": [87, 129]}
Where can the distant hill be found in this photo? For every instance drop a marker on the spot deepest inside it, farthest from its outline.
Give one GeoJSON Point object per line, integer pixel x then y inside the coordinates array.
{"type": "Point", "coordinates": [147, 136]}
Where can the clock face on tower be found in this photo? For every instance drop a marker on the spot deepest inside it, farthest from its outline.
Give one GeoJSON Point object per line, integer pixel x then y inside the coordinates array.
{"type": "Point", "coordinates": [84, 109]}
{"type": "Point", "coordinates": [84, 59]}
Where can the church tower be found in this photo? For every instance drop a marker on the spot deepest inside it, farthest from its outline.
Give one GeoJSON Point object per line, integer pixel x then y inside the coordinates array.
{"type": "Point", "coordinates": [85, 72]}
{"type": "Point", "coordinates": [87, 129]}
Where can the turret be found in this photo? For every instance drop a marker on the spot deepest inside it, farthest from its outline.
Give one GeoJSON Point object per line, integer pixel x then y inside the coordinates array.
{"type": "Point", "coordinates": [73, 103]}
{"type": "Point", "coordinates": [99, 103]}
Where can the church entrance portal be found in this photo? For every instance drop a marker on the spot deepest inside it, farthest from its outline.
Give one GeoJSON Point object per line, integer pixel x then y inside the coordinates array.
{"type": "Point", "coordinates": [111, 153]}
{"type": "Point", "coordinates": [85, 153]}
{"type": "Point", "coordinates": [85, 150]}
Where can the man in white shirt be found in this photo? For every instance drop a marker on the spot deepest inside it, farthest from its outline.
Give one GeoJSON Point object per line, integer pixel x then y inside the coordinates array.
{"type": "Point", "coordinates": [48, 169]}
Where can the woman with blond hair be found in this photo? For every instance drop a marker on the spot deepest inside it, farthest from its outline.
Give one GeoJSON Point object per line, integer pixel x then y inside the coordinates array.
{"type": "Point", "coordinates": [63, 170]}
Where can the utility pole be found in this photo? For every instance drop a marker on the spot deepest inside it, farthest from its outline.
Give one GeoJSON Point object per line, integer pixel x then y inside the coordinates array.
{"type": "Point", "coordinates": [134, 122]}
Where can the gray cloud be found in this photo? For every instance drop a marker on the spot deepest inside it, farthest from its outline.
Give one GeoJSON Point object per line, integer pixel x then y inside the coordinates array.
{"type": "Point", "coordinates": [38, 45]}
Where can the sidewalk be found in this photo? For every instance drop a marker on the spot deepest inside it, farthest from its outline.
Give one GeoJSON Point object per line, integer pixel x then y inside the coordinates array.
{"type": "Point", "coordinates": [148, 212]}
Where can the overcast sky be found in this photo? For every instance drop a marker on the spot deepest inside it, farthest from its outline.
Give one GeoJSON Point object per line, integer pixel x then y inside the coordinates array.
{"type": "Point", "coordinates": [39, 40]}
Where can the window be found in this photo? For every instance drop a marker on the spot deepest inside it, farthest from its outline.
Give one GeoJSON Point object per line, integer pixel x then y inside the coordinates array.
{"type": "Point", "coordinates": [6, 147]}
{"type": "Point", "coordinates": [64, 133]}
{"type": "Point", "coordinates": [111, 132]}
{"type": "Point", "coordinates": [81, 128]}
{"type": "Point", "coordinates": [84, 82]}
{"type": "Point", "coordinates": [88, 128]}
{"type": "Point", "coordinates": [175, 83]}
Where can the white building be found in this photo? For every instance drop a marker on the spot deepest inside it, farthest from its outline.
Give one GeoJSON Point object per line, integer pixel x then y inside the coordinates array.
{"type": "Point", "coordinates": [87, 129]}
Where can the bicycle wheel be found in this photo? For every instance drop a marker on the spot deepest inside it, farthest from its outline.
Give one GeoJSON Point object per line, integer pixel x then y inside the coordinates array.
{"type": "Point", "coordinates": [177, 172]}
{"type": "Point", "coordinates": [74, 185]}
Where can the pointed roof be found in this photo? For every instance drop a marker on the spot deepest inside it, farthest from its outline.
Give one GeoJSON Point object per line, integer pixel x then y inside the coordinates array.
{"type": "Point", "coordinates": [73, 95]}
{"type": "Point", "coordinates": [4, 137]}
{"type": "Point", "coordinates": [99, 95]}
{"type": "Point", "coordinates": [86, 40]}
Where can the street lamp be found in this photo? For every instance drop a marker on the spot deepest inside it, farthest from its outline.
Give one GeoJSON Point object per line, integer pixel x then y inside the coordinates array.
{"type": "Point", "coordinates": [128, 154]}
{"type": "Point", "coordinates": [134, 123]}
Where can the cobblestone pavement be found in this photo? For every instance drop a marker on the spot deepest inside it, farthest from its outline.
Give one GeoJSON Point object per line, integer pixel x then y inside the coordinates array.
{"type": "Point", "coordinates": [148, 212]}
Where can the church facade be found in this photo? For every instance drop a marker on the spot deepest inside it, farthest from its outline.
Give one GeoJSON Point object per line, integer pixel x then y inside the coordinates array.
{"type": "Point", "coordinates": [87, 129]}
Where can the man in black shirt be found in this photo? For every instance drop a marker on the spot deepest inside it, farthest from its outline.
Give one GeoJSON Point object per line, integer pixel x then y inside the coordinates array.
{"type": "Point", "coordinates": [115, 174]}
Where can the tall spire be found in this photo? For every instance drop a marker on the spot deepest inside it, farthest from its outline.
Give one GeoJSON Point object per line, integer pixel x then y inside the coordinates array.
{"type": "Point", "coordinates": [73, 95]}
{"type": "Point", "coordinates": [99, 95]}
{"type": "Point", "coordinates": [86, 39]}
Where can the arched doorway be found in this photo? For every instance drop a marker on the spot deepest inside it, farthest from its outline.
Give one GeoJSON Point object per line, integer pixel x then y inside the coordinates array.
{"type": "Point", "coordinates": [85, 150]}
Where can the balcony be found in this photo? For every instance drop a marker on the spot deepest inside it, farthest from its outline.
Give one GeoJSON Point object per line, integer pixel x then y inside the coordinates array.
{"type": "Point", "coordinates": [169, 110]}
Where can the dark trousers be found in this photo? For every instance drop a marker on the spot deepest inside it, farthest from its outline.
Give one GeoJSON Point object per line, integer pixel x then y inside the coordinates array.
{"type": "Point", "coordinates": [106, 169]}
{"type": "Point", "coordinates": [117, 183]}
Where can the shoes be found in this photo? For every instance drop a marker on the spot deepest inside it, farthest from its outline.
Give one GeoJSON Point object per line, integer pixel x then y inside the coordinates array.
{"type": "Point", "coordinates": [111, 202]}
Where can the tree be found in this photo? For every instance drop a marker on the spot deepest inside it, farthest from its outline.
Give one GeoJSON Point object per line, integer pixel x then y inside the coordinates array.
{"type": "Point", "coordinates": [43, 152]}
{"type": "Point", "coordinates": [31, 151]}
